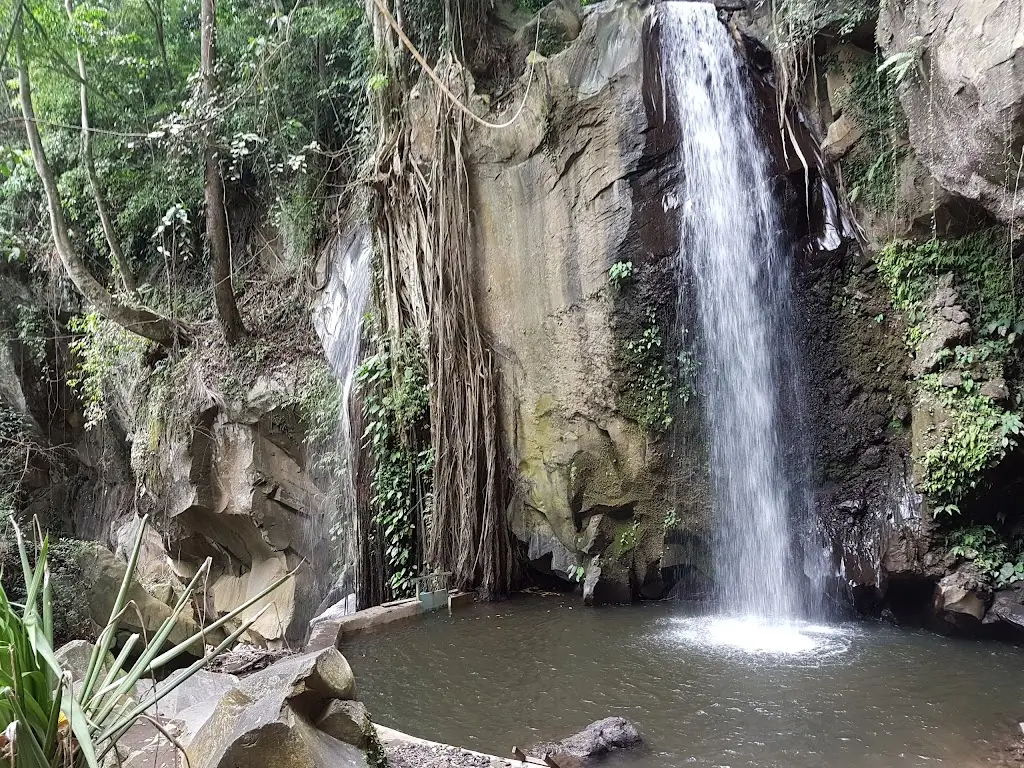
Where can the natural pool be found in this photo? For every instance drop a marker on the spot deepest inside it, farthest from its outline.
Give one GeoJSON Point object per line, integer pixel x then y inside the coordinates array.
{"type": "Point", "coordinates": [702, 693]}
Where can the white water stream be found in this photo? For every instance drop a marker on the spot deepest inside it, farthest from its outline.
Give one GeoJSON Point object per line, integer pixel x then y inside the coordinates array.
{"type": "Point", "coordinates": [339, 323]}
{"type": "Point", "coordinates": [733, 246]}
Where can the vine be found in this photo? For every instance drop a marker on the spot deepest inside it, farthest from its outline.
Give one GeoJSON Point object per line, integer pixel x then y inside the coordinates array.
{"type": "Point", "coordinates": [998, 558]}
{"type": "Point", "coordinates": [870, 170]}
{"type": "Point", "coordinates": [106, 354]}
{"type": "Point", "coordinates": [981, 434]}
{"type": "Point", "coordinates": [396, 405]}
{"type": "Point", "coordinates": [981, 429]}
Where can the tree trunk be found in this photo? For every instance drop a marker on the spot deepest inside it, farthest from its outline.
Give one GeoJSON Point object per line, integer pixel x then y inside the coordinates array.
{"type": "Point", "coordinates": [116, 254]}
{"type": "Point", "coordinates": [138, 320]}
{"type": "Point", "coordinates": [216, 212]}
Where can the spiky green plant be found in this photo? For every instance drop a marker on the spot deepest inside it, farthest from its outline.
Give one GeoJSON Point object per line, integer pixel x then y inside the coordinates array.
{"type": "Point", "coordinates": [51, 720]}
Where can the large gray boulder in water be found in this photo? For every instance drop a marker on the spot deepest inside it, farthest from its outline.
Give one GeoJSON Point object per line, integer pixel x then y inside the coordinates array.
{"type": "Point", "coordinates": [596, 740]}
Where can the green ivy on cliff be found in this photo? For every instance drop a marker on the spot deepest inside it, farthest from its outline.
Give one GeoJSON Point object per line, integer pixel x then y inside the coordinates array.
{"type": "Point", "coordinates": [870, 170]}
{"type": "Point", "coordinates": [978, 262]}
{"type": "Point", "coordinates": [396, 404]}
{"type": "Point", "coordinates": [979, 431]}
{"type": "Point", "coordinates": [646, 392]}
{"type": "Point", "coordinates": [998, 557]}
{"type": "Point", "coordinates": [980, 435]}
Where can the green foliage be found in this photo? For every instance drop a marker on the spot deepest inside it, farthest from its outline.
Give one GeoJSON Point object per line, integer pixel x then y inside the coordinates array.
{"type": "Point", "coordinates": [671, 520]}
{"type": "Point", "coordinates": [620, 273]}
{"type": "Point", "coordinates": [796, 23]}
{"type": "Point", "coordinates": [105, 354]}
{"type": "Point", "coordinates": [320, 404]}
{"type": "Point", "coordinates": [979, 263]}
{"type": "Point", "coordinates": [999, 559]}
{"type": "Point", "coordinates": [17, 445]}
{"type": "Point", "coordinates": [898, 65]}
{"type": "Point", "coordinates": [870, 171]}
{"type": "Point", "coordinates": [376, 755]}
{"type": "Point", "coordinates": [576, 574]}
{"type": "Point", "coordinates": [646, 390]}
{"type": "Point", "coordinates": [628, 537]}
{"type": "Point", "coordinates": [396, 404]}
{"type": "Point", "coordinates": [33, 332]}
{"type": "Point", "coordinates": [981, 434]}
{"type": "Point", "coordinates": [71, 617]}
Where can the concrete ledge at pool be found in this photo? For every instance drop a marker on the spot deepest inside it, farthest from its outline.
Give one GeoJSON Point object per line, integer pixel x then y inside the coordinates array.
{"type": "Point", "coordinates": [392, 740]}
{"type": "Point", "coordinates": [328, 633]}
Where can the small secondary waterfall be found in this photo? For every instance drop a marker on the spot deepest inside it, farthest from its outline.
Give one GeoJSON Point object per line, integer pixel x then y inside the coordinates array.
{"type": "Point", "coordinates": [732, 246]}
{"type": "Point", "coordinates": [339, 323]}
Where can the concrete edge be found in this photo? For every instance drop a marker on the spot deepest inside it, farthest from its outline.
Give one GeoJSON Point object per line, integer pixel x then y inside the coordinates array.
{"type": "Point", "coordinates": [335, 632]}
{"type": "Point", "coordinates": [391, 736]}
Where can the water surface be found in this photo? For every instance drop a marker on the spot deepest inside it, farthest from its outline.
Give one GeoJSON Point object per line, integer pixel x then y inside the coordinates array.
{"type": "Point", "coordinates": [536, 669]}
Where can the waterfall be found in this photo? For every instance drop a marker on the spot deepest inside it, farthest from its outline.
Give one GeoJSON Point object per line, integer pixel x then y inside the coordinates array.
{"type": "Point", "coordinates": [732, 246]}
{"type": "Point", "coordinates": [339, 323]}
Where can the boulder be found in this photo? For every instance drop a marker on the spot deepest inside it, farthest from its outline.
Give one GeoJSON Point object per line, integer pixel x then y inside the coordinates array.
{"type": "Point", "coordinates": [596, 740]}
{"type": "Point", "coordinates": [1007, 608]}
{"type": "Point", "coordinates": [74, 658]}
{"type": "Point", "coordinates": [995, 390]}
{"type": "Point", "coordinates": [964, 99]}
{"type": "Point", "coordinates": [841, 136]}
{"type": "Point", "coordinates": [605, 582]}
{"type": "Point", "coordinates": [346, 721]}
{"type": "Point", "coordinates": [961, 597]}
{"type": "Point", "coordinates": [198, 688]}
{"type": "Point", "coordinates": [948, 324]}
{"type": "Point", "coordinates": [268, 720]}
{"type": "Point", "coordinates": [265, 732]}
{"type": "Point", "coordinates": [307, 681]}
{"type": "Point", "coordinates": [102, 574]}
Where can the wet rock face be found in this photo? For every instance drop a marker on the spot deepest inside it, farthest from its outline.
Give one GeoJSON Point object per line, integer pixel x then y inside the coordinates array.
{"type": "Point", "coordinates": [855, 367]}
{"type": "Point", "coordinates": [576, 186]}
{"type": "Point", "coordinates": [965, 99]}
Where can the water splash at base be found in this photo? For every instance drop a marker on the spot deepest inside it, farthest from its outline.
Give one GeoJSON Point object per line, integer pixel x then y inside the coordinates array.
{"type": "Point", "coordinates": [753, 635]}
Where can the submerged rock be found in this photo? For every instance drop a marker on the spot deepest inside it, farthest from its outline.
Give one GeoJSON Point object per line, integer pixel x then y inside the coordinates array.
{"type": "Point", "coordinates": [596, 740]}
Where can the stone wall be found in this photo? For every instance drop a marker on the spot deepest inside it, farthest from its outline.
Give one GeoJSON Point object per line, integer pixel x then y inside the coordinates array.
{"type": "Point", "coordinates": [576, 185]}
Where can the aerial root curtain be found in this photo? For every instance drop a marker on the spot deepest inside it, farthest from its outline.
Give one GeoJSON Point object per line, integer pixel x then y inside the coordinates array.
{"type": "Point", "coordinates": [420, 214]}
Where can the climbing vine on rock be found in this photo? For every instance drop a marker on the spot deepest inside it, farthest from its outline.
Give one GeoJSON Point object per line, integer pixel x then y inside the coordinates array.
{"type": "Point", "coordinates": [422, 236]}
{"type": "Point", "coordinates": [396, 404]}
{"type": "Point", "coordinates": [971, 380]}
{"type": "Point", "coordinates": [997, 556]}
{"type": "Point", "coordinates": [870, 170]}
{"type": "Point", "coordinates": [646, 393]}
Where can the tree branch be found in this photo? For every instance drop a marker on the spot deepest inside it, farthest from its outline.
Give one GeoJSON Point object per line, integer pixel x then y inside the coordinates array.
{"type": "Point", "coordinates": [116, 254]}
{"type": "Point", "coordinates": [143, 322]}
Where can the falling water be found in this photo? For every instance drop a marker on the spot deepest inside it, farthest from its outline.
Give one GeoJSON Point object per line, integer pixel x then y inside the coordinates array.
{"type": "Point", "coordinates": [731, 244]}
{"type": "Point", "coordinates": [339, 323]}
